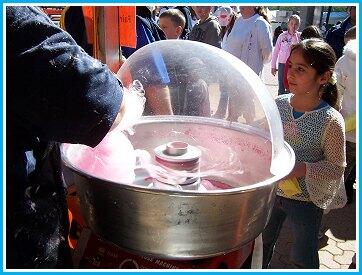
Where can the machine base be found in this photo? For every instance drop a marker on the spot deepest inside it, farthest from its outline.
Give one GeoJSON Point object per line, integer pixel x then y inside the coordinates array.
{"type": "Point", "coordinates": [92, 251]}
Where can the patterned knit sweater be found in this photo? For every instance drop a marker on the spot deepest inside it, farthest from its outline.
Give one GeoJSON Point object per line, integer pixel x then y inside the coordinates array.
{"type": "Point", "coordinates": [318, 139]}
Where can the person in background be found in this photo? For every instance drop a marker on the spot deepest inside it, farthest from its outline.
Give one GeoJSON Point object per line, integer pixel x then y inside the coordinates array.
{"type": "Point", "coordinates": [154, 13]}
{"type": "Point", "coordinates": [207, 29]}
{"type": "Point", "coordinates": [147, 30]}
{"type": "Point", "coordinates": [194, 18]}
{"type": "Point", "coordinates": [55, 93]}
{"type": "Point", "coordinates": [225, 31]}
{"type": "Point", "coordinates": [324, 29]}
{"type": "Point", "coordinates": [308, 32]}
{"type": "Point", "coordinates": [346, 82]}
{"type": "Point", "coordinates": [223, 15]}
{"type": "Point", "coordinates": [172, 22]}
{"type": "Point", "coordinates": [278, 30]}
{"type": "Point", "coordinates": [188, 19]}
{"type": "Point", "coordinates": [196, 98]}
{"type": "Point", "coordinates": [250, 38]}
{"type": "Point", "coordinates": [282, 50]}
{"type": "Point", "coordinates": [225, 85]}
{"type": "Point", "coordinates": [335, 36]}
{"type": "Point", "coordinates": [315, 130]}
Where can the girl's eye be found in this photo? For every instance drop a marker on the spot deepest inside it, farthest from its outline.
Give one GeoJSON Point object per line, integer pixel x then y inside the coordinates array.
{"type": "Point", "coordinates": [300, 69]}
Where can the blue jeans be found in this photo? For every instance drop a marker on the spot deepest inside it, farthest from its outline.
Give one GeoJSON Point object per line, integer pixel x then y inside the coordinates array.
{"type": "Point", "coordinates": [305, 219]}
{"type": "Point", "coordinates": [281, 89]}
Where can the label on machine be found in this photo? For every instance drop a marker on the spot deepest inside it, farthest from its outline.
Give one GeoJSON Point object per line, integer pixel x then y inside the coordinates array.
{"type": "Point", "coordinates": [94, 252]}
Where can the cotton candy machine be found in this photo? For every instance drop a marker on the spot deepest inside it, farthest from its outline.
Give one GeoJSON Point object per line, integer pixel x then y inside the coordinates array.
{"type": "Point", "coordinates": [214, 131]}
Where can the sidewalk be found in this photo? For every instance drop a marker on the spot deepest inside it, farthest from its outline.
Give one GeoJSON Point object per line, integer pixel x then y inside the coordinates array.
{"type": "Point", "coordinates": [338, 245]}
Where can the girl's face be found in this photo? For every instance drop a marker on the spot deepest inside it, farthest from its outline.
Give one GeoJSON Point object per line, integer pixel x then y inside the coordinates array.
{"type": "Point", "coordinates": [293, 26]}
{"type": "Point", "coordinates": [302, 77]}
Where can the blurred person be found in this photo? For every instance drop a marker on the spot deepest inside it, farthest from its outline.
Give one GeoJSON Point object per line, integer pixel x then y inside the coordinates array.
{"type": "Point", "coordinates": [324, 29]}
{"type": "Point", "coordinates": [235, 9]}
{"type": "Point", "coordinates": [55, 93]}
{"type": "Point", "coordinates": [158, 96]}
{"type": "Point", "coordinates": [194, 18]}
{"type": "Point", "coordinates": [350, 35]}
{"type": "Point", "coordinates": [250, 38]}
{"type": "Point", "coordinates": [310, 32]}
{"type": "Point", "coordinates": [225, 31]}
{"type": "Point", "coordinates": [172, 22]}
{"type": "Point", "coordinates": [247, 37]}
{"type": "Point", "coordinates": [188, 19]}
{"type": "Point", "coordinates": [196, 97]}
{"type": "Point", "coordinates": [335, 36]}
{"type": "Point", "coordinates": [223, 14]}
{"type": "Point", "coordinates": [207, 29]}
{"type": "Point", "coordinates": [225, 84]}
{"type": "Point", "coordinates": [315, 130]}
{"type": "Point", "coordinates": [346, 83]}
{"type": "Point", "coordinates": [278, 30]}
{"type": "Point", "coordinates": [282, 50]}
{"type": "Point", "coordinates": [146, 29]}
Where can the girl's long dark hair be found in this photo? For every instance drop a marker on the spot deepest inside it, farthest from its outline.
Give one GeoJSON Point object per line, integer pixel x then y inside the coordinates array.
{"type": "Point", "coordinates": [322, 58]}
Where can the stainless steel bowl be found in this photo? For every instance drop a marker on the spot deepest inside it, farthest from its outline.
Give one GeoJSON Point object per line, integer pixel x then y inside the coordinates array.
{"type": "Point", "coordinates": [186, 224]}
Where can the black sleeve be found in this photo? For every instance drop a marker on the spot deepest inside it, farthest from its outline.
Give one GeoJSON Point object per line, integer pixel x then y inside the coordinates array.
{"type": "Point", "coordinates": [55, 90]}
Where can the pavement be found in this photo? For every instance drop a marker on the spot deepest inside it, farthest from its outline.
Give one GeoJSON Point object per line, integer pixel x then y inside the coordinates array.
{"type": "Point", "coordinates": [338, 242]}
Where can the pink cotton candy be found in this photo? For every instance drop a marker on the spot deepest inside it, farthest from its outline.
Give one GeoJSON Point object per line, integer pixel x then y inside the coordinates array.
{"type": "Point", "coordinates": [113, 159]}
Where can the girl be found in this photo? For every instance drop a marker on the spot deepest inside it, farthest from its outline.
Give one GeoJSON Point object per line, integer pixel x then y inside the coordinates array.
{"type": "Point", "coordinates": [282, 49]}
{"type": "Point", "coordinates": [315, 130]}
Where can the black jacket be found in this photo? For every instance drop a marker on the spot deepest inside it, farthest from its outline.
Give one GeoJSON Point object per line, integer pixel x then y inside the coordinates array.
{"type": "Point", "coordinates": [55, 92]}
{"type": "Point", "coordinates": [335, 36]}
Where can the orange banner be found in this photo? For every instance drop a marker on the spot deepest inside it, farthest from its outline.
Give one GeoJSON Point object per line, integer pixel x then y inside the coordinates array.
{"type": "Point", "coordinates": [127, 26]}
{"type": "Point", "coordinates": [88, 13]}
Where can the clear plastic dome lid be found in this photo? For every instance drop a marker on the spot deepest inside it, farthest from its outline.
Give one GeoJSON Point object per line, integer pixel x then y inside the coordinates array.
{"type": "Point", "coordinates": [186, 80]}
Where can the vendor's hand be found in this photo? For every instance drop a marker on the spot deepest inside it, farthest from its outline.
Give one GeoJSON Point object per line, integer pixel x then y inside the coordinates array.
{"type": "Point", "coordinates": [273, 71]}
{"type": "Point", "coordinates": [132, 107]}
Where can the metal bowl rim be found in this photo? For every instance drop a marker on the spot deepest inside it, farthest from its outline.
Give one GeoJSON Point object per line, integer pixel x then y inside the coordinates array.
{"type": "Point", "coordinates": [208, 121]}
